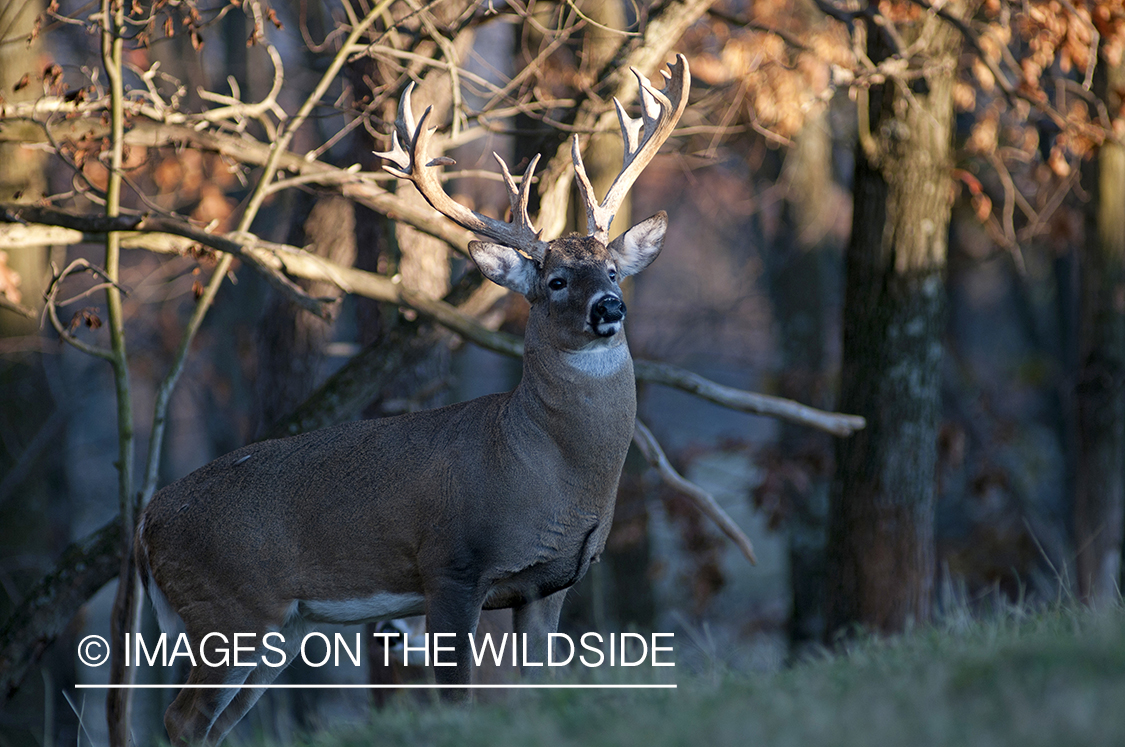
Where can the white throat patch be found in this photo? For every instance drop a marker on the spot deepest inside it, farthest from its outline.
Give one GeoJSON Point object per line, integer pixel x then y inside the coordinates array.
{"type": "Point", "coordinates": [599, 361]}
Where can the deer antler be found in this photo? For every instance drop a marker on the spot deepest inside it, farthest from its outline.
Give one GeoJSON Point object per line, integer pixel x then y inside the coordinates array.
{"type": "Point", "coordinates": [409, 143]}
{"type": "Point", "coordinates": [660, 110]}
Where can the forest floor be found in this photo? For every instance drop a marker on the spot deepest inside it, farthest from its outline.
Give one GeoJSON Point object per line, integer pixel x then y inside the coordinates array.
{"type": "Point", "coordinates": [1017, 678]}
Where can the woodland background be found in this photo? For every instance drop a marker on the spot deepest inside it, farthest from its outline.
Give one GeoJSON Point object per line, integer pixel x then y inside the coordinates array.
{"type": "Point", "coordinates": [907, 211]}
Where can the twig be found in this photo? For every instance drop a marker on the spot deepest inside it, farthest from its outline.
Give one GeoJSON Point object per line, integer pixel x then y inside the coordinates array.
{"type": "Point", "coordinates": [51, 309]}
{"type": "Point", "coordinates": [1095, 40]}
{"type": "Point", "coordinates": [703, 500]}
{"type": "Point", "coordinates": [281, 144]}
{"type": "Point", "coordinates": [662, 31]}
{"type": "Point", "coordinates": [358, 187]}
{"type": "Point", "coordinates": [16, 307]}
{"type": "Point", "coordinates": [1011, 92]}
{"type": "Point", "coordinates": [257, 197]}
{"type": "Point", "coordinates": [112, 56]}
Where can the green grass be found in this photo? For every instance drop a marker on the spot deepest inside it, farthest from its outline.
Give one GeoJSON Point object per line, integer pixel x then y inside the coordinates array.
{"type": "Point", "coordinates": [1053, 678]}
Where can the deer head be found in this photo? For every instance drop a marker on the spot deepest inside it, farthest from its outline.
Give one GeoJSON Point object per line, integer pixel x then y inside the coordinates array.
{"type": "Point", "coordinates": [557, 271]}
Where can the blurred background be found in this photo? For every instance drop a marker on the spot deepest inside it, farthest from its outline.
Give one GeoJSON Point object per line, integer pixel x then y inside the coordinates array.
{"type": "Point", "coordinates": [907, 211]}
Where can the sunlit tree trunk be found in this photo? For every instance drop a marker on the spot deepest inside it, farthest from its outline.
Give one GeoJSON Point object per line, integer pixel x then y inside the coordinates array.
{"type": "Point", "coordinates": [1099, 519]}
{"type": "Point", "coordinates": [880, 553]}
{"type": "Point", "coordinates": [34, 513]}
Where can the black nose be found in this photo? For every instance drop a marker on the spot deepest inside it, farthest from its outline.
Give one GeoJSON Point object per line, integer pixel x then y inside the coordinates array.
{"type": "Point", "coordinates": [608, 309]}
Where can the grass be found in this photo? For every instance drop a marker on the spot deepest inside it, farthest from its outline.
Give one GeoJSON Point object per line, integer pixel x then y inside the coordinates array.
{"type": "Point", "coordinates": [1050, 678]}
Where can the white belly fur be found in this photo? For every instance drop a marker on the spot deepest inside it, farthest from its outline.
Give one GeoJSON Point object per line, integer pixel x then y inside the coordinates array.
{"type": "Point", "coordinates": [381, 606]}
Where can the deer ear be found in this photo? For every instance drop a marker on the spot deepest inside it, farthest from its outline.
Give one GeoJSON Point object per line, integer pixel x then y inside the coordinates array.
{"type": "Point", "coordinates": [504, 266]}
{"type": "Point", "coordinates": [635, 249]}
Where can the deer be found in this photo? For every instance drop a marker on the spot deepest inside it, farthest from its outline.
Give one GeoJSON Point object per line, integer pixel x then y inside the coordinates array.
{"type": "Point", "coordinates": [500, 502]}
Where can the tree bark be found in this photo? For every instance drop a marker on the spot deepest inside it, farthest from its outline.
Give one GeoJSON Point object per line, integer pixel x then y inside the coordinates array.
{"type": "Point", "coordinates": [798, 278]}
{"type": "Point", "coordinates": [291, 342]}
{"type": "Point", "coordinates": [84, 567]}
{"type": "Point", "coordinates": [880, 553]}
{"type": "Point", "coordinates": [1099, 510]}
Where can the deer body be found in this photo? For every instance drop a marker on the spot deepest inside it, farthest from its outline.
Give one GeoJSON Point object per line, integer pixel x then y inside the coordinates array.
{"type": "Point", "coordinates": [495, 488]}
{"type": "Point", "coordinates": [503, 501]}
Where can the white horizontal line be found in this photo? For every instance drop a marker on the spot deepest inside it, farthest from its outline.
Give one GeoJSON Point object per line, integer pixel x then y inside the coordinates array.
{"type": "Point", "coordinates": [375, 687]}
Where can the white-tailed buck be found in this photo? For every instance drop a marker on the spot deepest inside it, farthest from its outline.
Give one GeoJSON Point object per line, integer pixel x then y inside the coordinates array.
{"type": "Point", "coordinates": [500, 502]}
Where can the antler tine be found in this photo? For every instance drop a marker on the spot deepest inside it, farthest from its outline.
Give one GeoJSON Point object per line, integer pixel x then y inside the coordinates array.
{"type": "Point", "coordinates": [404, 123]}
{"type": "Point", "coordinates": [519, 199]}
{"type": "Point", "coordinates": [660, 111]}
{"type": "Point", "coordinates": [586, 191]}
{"type": "Point", "coordinates": [408, 154]}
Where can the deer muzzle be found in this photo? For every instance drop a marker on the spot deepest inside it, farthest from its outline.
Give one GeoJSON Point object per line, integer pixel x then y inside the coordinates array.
{"type": "Point", "coordinates": [606, 315]}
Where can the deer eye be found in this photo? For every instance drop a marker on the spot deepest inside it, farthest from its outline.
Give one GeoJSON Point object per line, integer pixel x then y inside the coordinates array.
{"type": "Point", "coordinates": [556, 284]}
{"type": "Point", "coordinates": [613, 274]}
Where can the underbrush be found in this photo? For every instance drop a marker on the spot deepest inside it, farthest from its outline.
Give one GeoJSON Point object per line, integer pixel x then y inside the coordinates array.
{"type": "Point", "coordinates": [1017, 678]}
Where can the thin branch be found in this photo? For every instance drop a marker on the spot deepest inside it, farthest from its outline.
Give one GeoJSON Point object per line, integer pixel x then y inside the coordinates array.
{"type": "Point", "coordinates": [646, 54]}
{"type": "Point", "coordinates": [52, 312]}
{"type": "Point", "coordinates": [126, 609]}
{"type": "Point", "coordinates": [257, 197]}
{"type": "Point", "coordinates": [751, 402]}
{"type": "Point", "coordinates": [281, 144]}
{"type": "Point", "coordinates": [703, 500]}
{"type": "Point", "coordinates": [298, 263]}
{"type": "Point", "coordinates": [16, 307]}
{"type": "Point", "coordinates": [1095, 40]}
{"type": "Point", "coordinates": [85, 227]}
{"type": "Point", "coordinates": [355, 186]}
{"type": "Point", "coordinates": [1011, 92]}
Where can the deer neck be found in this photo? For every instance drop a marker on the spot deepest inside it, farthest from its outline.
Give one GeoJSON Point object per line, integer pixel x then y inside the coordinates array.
{"type": "Point", "coordinates": [569, 395]}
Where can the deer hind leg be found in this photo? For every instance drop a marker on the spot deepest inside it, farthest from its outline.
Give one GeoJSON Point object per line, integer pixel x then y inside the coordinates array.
{"type": "Point", "coordinates": [263, 674]}
{"type": "Point", "coordinates": [537, 618]}
{"type": "Point", "coordinates": [193, 714]}
{"type": "Point", "coordinates": [195, 710]}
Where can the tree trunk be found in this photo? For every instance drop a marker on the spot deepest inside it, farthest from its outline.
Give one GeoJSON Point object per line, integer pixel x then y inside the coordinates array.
{"type": "Point", "coordinates": [291, 342]}
{"type": "Point", "coordinates": [35, 507]}
{"type": "Point", "coordinates": [798, 278]}
{"type": "Point", "coordinates": [1100, 480]}
{"type": "Point", "coordinates": [880, 553]}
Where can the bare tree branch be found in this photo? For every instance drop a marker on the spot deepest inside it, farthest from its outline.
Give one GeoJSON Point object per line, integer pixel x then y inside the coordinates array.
{"type": "Point", "coordinates": [85, 567]}
{"type": "Point", "coordinates": [86, 226]}
{"type": "Point", "coordinates": [15, 307]}
{"type": "Point", "coordinates": [703, 500]}
{"type": "Point", "coordinates": [737, 399]}
{"type": "Point", "coordinates": [297, 263]}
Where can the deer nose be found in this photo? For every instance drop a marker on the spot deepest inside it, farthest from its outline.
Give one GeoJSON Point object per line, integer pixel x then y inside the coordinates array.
{"type": "Point", "coordinates": [607, 310]}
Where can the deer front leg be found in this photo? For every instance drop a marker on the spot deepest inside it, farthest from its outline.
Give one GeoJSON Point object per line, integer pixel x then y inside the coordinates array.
{"type": "Point", "coordinates": [453, 608]}
{"type": "Point", "coordinates": [537, 619]}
